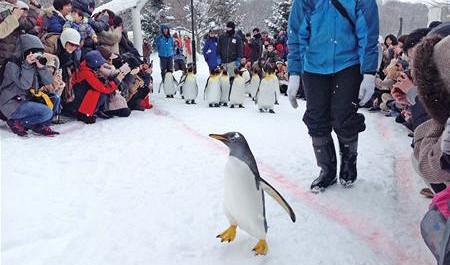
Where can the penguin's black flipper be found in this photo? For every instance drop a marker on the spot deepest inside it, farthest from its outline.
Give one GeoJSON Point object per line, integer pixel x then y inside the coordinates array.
{"type": "Point", "coordinates": [206, 85]}
{"type": "Point", "coordinates": [277, 197]}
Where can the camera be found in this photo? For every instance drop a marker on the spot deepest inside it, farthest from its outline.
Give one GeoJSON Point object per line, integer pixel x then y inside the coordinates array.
{"type": "Point", "coordinates": [41, 59]}
{"type": "Point", "coordinates": [407, 71]}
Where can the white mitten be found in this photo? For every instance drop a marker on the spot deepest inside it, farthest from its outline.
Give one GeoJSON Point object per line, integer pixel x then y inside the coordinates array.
{"type": "Point", "coordinates": [293, 86]}
{"type": "Point", "coordinates": [366, 89]}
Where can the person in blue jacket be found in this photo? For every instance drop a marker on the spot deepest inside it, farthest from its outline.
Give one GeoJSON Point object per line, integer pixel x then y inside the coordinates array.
{"type": "Point", "coordinates": [164, 45]}
{"type": "Point", "coordinates": [210, 51]}
{"type": "Point", "coordinates": [333, 46]}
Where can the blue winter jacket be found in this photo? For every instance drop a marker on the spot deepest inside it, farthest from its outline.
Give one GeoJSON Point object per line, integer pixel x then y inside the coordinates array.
{"type": "Point", "coordinates": [164, 44]}
{"type": "Point", "coordinates": [55, 23]}
{"type": "Point", "coordinates": [210, 52]}
{"type": "Point", "coordinates": [322, 41]}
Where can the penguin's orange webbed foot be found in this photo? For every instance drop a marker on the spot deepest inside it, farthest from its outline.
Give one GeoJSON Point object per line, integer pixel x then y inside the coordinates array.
{"type": "Point", "coordinates": [228, 235]}
{"type": "Point", "coordinates": [261, 247]}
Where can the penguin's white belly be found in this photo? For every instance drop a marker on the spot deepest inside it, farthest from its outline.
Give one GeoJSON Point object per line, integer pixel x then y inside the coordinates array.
{"type": "Point", "coordinates": [253, 86]}
{"type": "Point", "coordinates": [243, 203]}
{"type": "Point", "coordinates": [190, 90]}
{"type": "Point", "coordinates": [266, 95]}
{"type": "Point", "coordinates": [169, 86]}
{"type": "Point", "coordinates": [213, 92]}
{"type": "Point", "coordinates": [276, 85]}
{"type": "Point", "coordinates": [225, 87]}
{"type": "Point", "coordinates": [237, 91]}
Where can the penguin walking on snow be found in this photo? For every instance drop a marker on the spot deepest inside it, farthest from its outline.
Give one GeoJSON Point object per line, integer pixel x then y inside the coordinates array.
{"type": "Point", "coordinates": [189, 87]}
{"type": "Point", "coordinates": [212, 89]}
{"type": "Point", "coordinates": [225, 87]}
{"type": "Point", "coordinates": [244, 196]}
{"type": "Point", "coordinates": [247, 78]}
{"type": "Point", "coordinates": [276, 85]}
{"type": "Point", "coordinates": [266, 95]}
{"type": "Point", "coordinates": [237, 92]}
{"type": "Point", "coordinates": [254, 85]}
{"type": "Point", "coordinates": [169, 84]}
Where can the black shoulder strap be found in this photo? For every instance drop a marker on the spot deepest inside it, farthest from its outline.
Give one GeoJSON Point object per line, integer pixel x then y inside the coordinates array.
{"type": "Point", "coordinates": [343, 12]}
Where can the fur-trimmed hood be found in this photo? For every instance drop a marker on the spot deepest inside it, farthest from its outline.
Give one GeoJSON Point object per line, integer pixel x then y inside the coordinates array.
{"type": "Point", "coordinates": [431, 75]}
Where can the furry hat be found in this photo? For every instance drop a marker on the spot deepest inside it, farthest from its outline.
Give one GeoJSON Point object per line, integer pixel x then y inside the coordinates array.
{"type": "Point", "coordinates": [431, 74]}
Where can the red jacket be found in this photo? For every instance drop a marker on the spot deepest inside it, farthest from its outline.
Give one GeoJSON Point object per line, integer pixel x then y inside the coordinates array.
{"type": "Point", "coordinates": [96, 88]}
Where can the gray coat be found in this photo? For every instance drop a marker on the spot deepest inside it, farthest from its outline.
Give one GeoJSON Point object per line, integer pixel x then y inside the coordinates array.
{"type": "Point", "coordinates": [19, 77]}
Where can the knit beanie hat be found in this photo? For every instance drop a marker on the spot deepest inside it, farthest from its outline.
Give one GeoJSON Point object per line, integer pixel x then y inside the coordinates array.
{"type": "Point", "coordinates": [70, 35]}
{"type": "Point", "coordinates": [94, 59]}
{"type": "Point", "coordinates": [231, 25]}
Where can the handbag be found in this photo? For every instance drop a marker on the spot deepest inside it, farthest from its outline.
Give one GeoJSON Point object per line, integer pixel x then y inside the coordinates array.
{"type": "Point", "coordinates": [41, 97]}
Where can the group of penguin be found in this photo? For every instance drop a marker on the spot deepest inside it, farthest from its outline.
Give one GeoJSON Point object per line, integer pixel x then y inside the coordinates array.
{"type": "Point", "coordinates": [223, 90]}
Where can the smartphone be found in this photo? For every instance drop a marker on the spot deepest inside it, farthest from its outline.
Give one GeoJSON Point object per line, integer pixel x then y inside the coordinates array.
{"type": "Point", "coordinates": [125, 68]}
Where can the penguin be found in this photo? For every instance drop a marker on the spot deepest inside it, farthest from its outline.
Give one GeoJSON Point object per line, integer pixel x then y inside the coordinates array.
{"type": "Point", "coordinates": [276, 85]}
{"type": "Point", "coordinates": [212, 91]}
{"type": "Point", "coordinates": [189, 87]}
{"type": "Point", "coordinates": [254, 85]}
{"type": "Point", "coordinates": [243, 195]}
{"type": "Point", "coordinates": [225, 87]}
{"type": "Point", "coordinates": [266, 95]}
{"type": "Point", "coordinates": [247, 78]}
{"type": "Point", "coordinates": [169, 84]}
{"type": "Point", "coordinates": [237, 90]}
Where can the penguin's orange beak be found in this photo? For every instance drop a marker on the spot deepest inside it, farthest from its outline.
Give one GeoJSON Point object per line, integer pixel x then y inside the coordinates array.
{"type": "Point", "coordinates": [219, 137]}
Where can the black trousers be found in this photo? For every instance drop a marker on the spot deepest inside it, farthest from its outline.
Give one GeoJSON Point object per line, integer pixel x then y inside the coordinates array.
{"type": "Point", "coordinates": [166, 64]}
{"type": "Point", "coordinates": [332, 103]}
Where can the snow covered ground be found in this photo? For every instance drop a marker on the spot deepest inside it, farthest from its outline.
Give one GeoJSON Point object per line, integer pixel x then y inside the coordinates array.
{"type": "Point", "coordinates": [148, 190]}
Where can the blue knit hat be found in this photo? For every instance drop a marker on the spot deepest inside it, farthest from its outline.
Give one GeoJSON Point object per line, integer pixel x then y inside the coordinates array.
{"type": "Point", "coordinates": [94, 59]}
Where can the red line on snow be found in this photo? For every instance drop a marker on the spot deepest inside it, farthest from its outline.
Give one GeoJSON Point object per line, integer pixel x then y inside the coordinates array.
{"type": "Point", "coordinates": [380, 241]}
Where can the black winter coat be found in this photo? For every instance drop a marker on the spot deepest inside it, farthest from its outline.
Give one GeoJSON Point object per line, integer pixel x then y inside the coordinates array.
{"type": "Point", "coordinates": [229, 48]}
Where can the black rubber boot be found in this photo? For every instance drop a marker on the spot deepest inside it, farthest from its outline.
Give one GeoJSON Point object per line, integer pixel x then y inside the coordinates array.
{"type": "Point", "coordinates": [326, 160]}
{"type": "Point", "coordinates": [348, 151]}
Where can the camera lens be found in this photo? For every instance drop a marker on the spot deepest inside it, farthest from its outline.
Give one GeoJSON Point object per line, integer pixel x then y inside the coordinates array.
{"type": "Point", "coordinates": [42, 60]}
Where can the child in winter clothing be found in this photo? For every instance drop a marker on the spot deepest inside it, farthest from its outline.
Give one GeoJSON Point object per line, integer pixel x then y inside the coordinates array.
{"type": "Point", "coordinates": [79, 23]}
{"type": "Point", "coordinates": [178, 56]}
{"type": "Point", "coordinates": [91, 86]}
{"type": "Point", "coordinates": [270, 57]}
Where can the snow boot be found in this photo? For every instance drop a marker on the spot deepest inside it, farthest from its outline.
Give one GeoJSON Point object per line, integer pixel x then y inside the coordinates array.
{"type": "Point", "coordinates": [348, 148]}
{"type": "Point", "coordinates": [85, 118]}
{"type": "Point", "coordinates": [17, 127]}
{"type": "Point", "coordinates": [103, 115]}
{"type": "Point", "coordinates": [145, 103]}
{"type": "Point", "coordinates": [326, 160]}
{"type": "Point", "coordinates": [44, 130]}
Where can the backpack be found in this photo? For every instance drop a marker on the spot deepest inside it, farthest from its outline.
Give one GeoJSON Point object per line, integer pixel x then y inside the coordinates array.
{"type": "Point", "coordinates": [50, 42]}
{"type": "Point", "coordinates": [435, 227]}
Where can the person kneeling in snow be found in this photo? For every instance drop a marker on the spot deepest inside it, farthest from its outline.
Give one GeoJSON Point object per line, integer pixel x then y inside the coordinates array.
{"type": "Point", "coordinates": [24, 71]}
{"type": "Point", "coordinates": [92, 86]}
